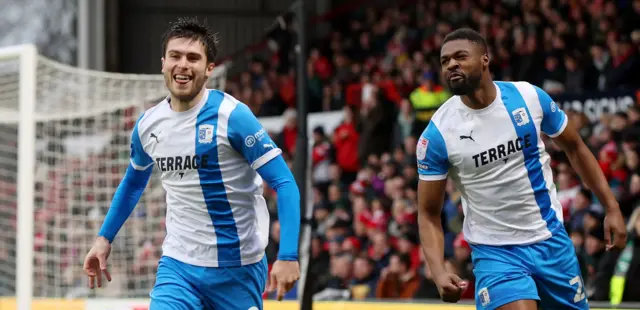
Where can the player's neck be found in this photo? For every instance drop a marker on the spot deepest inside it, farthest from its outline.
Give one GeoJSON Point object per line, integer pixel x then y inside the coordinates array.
{"type": "Point", "coordinates": [481, 97]}
{"type": "Point", "coordinates": [182, 106]}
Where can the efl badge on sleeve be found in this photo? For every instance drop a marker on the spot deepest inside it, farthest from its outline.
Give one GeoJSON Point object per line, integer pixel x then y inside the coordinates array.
{"type": "Point", "coordinates": [520, 116]}
{"type": "Point", "coordinates": [421, 148]}
{"type": "Point", "coordinates": [205, 133]}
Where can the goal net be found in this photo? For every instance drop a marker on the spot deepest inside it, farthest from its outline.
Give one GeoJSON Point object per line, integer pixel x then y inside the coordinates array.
{"type": "Point", "coordinates": [65, 159]}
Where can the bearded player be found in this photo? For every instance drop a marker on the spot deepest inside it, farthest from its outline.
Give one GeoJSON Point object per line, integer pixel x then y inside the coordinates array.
{"type": "Point", "coordinates": [487, 139]}
{"type": "Point", "coordinates": [213, 156]}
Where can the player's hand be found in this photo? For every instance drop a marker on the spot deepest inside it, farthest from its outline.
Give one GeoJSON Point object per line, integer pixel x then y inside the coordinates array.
{"type": "Point", "coordinates": [614, 227]}
{"type": "Point", "coordinates": [284, 275]}
{"type": "Point", "coordinates": [95, 263]}
{"type": "Point", "coordinates": [450, 286]}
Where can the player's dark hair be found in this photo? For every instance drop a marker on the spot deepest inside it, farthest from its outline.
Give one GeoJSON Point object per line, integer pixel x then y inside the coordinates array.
{"type": "Point", "coordinates": [469, 35]}
{"type": "Point", "coordinates": [191, 28]}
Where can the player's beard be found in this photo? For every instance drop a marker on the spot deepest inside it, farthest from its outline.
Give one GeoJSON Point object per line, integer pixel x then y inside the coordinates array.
{"type": "Point", "coordinates": [186, 95]}
{"type": "Point", "coordinates": [467, 85]}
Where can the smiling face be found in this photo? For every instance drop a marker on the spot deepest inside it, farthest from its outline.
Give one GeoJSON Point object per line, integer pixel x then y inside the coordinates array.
{"type": "Point", "coordinates": [185, 67]}
{"type": "Point", "coordinates": [463, 63]}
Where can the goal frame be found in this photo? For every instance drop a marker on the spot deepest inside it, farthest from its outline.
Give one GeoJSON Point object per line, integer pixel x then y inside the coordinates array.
{"type": "Point", "coordinates": [27, 56]}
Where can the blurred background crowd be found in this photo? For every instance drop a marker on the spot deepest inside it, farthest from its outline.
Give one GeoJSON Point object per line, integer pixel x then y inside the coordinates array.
{"type": "Point", "coordinates": [380, 67]}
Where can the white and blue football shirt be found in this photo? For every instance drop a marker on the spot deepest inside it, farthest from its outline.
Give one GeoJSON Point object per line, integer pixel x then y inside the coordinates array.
{"type": "Point", "coordinates": [207, 157]}
{"type": "Point", "coordinates": [498, 162]}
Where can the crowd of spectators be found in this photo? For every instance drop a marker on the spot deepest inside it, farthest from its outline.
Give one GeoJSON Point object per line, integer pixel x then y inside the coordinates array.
{"type": "Point", "coordinates": [381, 70]}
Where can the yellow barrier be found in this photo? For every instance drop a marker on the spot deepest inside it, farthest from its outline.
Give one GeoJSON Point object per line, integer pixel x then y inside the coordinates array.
{"type": "Point", "coordinates": [142, 304]}
{"type": "Point", "coordinates": [290, 305]}
{"type": "Point", "coordinates": [45, 304]}
{"type": "Point", "coordinates": [287, 305]}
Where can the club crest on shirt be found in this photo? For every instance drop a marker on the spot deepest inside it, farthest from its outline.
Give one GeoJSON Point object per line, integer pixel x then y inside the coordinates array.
{"type": "Point", "coordinates": [520, 116]}
{"type": "Point", "coordinates": [421, 148]}
{"type": "Point", "coordinates": [205, 133]}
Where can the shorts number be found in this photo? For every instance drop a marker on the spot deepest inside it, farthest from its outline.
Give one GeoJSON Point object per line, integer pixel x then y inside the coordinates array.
{"type": "Point", "coordinates": [580, 294]}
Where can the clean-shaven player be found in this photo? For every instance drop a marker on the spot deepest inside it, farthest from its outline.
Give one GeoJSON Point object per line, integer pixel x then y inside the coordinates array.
{"type": "Point", "coordinates": [213, 155]}
{"type": "Point", "coordinates": [487, 139]}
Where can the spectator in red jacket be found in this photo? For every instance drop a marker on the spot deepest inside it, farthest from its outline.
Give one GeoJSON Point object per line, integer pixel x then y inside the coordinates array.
{"type": "Point", "coordinates": [346, 139]}
{"type": "Point", "coordinates": [289, 133]}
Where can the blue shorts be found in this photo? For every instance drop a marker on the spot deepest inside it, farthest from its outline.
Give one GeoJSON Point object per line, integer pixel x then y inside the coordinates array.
{"type": "Point", "coordinates": [547, 271]}
{"type": "Point", "coordinates": [180, 286]}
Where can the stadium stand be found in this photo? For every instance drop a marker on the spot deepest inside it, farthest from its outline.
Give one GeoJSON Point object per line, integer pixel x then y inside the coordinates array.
{"type": "Point", "coordinates": [381, 69]}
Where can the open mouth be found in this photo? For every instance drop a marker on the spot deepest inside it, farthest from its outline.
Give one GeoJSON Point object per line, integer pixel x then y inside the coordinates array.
{"type": "Point", "coordinates": [182, 78]}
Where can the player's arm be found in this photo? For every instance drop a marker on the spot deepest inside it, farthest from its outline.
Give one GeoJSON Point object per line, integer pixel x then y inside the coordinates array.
{"type": "Point", "coordinates": [278, 176]}
{"type": "Point", "coordinates": [124, 200]}
{"type": "Point", "coordinates": [130, 189]}
{"type": "Point", "coordinates": [248, 138]}
{"type": "Point", "coordinates": [430, 201]}
{"type": "Point", "coordinates": [433, 167]}
{"type": "Point", "coordinates": [556, 125]}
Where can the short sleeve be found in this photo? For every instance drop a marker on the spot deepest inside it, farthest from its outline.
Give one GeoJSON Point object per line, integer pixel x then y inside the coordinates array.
{"type": "Point", "coordinates": [249, 138]}
{"type": "Point", "coordinates": [431, 152]}
{"type": "Point", "coordinates": [554, 120]}
{"type": "Point", "coordinates": [140, 160]}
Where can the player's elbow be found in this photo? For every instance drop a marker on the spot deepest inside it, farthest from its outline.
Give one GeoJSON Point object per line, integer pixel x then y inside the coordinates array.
{"type": "Point", "coordinates": [430, 213]}
{"type": "Point", "coordinates": [569, 140]}
{"type": "Point", "coordinates": [286, 185]}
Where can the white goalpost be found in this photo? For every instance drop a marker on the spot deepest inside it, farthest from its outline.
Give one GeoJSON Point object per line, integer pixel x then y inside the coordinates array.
{"type": "Point", "coordinates": [64, 145]}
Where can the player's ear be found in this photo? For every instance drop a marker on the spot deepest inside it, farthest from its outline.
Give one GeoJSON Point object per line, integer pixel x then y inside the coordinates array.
{"type": "Point", "coordinates": [162, 64]}
{"type": "Point", "coordinates": [210, 67]}
{"type": "Point", "coordinates": [485, 60]}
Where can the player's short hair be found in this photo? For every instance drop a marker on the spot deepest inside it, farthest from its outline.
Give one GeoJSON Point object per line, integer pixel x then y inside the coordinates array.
{"type": "Point", "coordinates": [469, 35]}
{"type": "Point", "coordinates": [191, 28]}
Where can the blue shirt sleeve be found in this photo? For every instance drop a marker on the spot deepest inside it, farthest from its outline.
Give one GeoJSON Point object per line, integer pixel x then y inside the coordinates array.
{"type": "Point", "coordinates": [249, 138]}
{"type": "Point", "coordinates": [124, 201]}
{"type": "Point", "coordinates": [140, 160]}
{"type": "Point", "coordinates": [277, 174]}
{"type": "Point", "coordinates": [554, 120]}
{"type": "Point", "coordinates": [431, 152]}
{"type": "Point", "coordinates": [130, 189]}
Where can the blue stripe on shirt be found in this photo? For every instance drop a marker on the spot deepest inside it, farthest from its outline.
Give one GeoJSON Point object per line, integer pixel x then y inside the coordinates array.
{"type": "Point", "coordinates": [524, 125]}
{"type": "Point", "coordinates": [213, 189]}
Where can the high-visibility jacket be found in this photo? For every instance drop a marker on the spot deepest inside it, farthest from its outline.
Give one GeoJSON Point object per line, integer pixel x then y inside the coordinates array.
{"type": "Point", "coordinates": [425, 102]}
